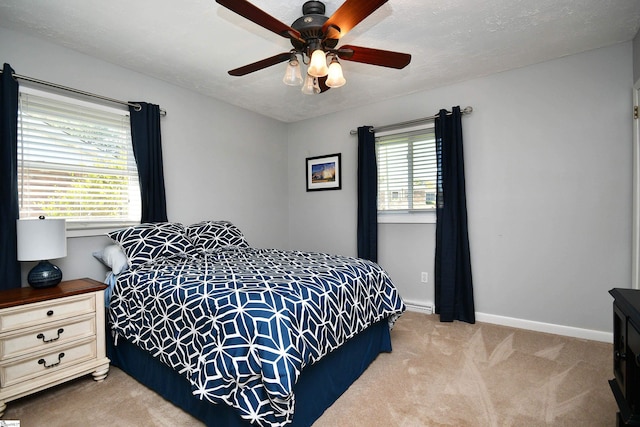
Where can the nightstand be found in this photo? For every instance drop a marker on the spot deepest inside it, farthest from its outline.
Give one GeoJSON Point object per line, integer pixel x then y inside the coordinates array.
{"type": "Point", "coordinates": [626, 355]}
{"type": "Point", "coordinates": [49, 336]}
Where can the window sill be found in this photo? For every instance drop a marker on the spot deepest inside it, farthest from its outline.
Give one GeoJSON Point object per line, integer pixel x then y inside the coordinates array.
{"type": "Point", "coordinates": [99, 229]}
{"type": "Point", "coordinates": [407, 217]}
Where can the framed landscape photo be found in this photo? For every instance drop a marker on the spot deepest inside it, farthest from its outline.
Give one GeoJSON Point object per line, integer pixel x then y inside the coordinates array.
{"type": "Point", "coordinates": [324, 173]}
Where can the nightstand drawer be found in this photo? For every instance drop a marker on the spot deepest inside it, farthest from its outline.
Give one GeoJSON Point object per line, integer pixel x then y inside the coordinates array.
{"type": "Point", "coordinates": [44, 312]}
{"type": "Point", "coordinates": [45, 363]}
{"type": "Point", "coordinates": [42, 337]}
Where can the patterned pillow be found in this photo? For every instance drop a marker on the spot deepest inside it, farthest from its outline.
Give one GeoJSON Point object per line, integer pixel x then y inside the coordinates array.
{"type": "Point", "coordinates": [150, 242]}
{"type": "Point", "coordinates": [216, 235]}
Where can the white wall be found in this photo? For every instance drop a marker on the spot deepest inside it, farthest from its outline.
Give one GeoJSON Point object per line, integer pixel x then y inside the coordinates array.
{"type": "Point", "coordinates": [636, 57]}
{"type": "Point", "coordinates": [215, 166]}
{"type": "Point", "coordinates": [548, 163]}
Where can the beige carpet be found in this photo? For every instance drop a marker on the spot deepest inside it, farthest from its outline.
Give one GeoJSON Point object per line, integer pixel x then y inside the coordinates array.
{"type": "Point", "coordinates": [439, 374]}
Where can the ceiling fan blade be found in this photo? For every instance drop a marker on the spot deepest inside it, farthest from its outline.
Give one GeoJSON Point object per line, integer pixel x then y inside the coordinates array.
{"type": "Point", "coordinates": [384, 58]}
{"type": "Point", "coordinates": [350, 14]}
{"type": "Point", "coordinates": [322, 83]}
{"type": "Point", "coordinates": [259, 65]}
{"type": "Point", "coordinates": [260, 17]}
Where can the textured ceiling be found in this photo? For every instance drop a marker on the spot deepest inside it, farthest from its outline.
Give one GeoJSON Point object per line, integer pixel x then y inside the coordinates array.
{"type": "Point", "coordinates": [194, 43]}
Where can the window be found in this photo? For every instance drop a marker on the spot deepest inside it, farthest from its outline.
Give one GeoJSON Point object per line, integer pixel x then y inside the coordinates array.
{"type": "Point", "coordinates": [407, 173]}
{"type": "Point", "coordinates": [75, 161]}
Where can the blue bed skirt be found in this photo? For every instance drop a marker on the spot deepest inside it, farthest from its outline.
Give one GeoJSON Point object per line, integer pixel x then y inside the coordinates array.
{"type": "Point", "coordinates": [319, 385]}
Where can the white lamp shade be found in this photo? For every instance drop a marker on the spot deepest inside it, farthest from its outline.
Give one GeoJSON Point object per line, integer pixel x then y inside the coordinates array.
{"type": "Point", "coordinates": [292, 76]}
{"type": "Point", "coordinates": [318, 64]}
{"type": "Point", "coordinates": [41, 239]}
{"type": "Point", "coordinates": [335, 78]}
{"type": "Point", "coordinates": [310, 86]}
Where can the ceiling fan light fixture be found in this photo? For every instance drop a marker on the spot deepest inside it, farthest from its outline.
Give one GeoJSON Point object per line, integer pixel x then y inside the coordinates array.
{"type": "Point", "coordinates": [335, 77]}
{"type": "Point", "coordinates": [310, 86]}
{"type": "Point", "coordinates": [318, 64]}
{"type": "Point", "coordinates": [314, 36]}
{"type": "Point", "coordinates": [292, 76]}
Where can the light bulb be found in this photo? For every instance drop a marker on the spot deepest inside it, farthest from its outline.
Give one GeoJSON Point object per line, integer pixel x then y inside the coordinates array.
{"type": "Point", "coordinates": [310, 86]}
{"type": "Point", "coordinates": [292, 76]}
{"type": "Point", "coordinates": [335, 78]}
{"type": "Point", "coordinates": [318, 64]}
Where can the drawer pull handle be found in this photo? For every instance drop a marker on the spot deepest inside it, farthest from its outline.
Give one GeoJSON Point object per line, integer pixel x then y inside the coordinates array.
{"type": "Point", "coordinates": [41, 336]}
{"type": "Point", "coordinates": [44, 362]}
{"type": "Point", "coordinates": [50, 313]}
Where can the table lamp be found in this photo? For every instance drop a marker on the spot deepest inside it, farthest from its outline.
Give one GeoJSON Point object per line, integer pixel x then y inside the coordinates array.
{"type": "Point", "coordinates": [41, 240]}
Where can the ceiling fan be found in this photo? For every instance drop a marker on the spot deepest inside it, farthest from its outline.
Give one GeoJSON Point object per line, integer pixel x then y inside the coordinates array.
{"type": "Point", "coordinates": [314, 37]}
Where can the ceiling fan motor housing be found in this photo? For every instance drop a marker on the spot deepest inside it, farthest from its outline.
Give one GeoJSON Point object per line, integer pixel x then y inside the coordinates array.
{"type": "Point", "coordinates": [313, 7]}
{"type": "Point", "coordinates": [310, 27]}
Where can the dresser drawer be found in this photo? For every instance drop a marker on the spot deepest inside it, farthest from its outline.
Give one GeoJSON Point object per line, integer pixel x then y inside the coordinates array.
{"type": "Point", "coordinates": [42, 337]}
{"type": "Point", "coordinates": [42, 364]}
{"type": "Point", "coordinates": [44, 312]}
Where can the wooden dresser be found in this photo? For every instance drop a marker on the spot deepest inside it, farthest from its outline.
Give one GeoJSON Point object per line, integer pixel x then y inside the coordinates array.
{"type": "Point", "coordinates": [49, 336]}
{"type": "Point", "coordinates": [626, 355]}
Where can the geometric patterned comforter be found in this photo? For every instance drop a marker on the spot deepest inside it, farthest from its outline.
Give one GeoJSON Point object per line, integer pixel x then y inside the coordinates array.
{"type": "Point", "coordinates": [241, 324]}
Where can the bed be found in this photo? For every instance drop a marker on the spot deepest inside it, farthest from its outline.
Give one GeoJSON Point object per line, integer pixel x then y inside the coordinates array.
{"type": "Point", "coordinates": [241, 336]}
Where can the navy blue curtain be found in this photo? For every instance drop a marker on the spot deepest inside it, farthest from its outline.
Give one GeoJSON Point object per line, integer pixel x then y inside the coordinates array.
{"type": "Point", "coordinates": [453, 282]}
{"type": "Point", "coordinates": [147, 148]}
{"type": "Point", "coordinates": [367, 195]}
{"type": "Point", "coordinates": [10, 276]}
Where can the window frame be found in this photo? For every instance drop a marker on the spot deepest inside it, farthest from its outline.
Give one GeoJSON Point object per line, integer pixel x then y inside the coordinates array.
{"type": "Point", "coordinates": [406, 216]}
{"type": "Point", "coordinates": [78, 228]}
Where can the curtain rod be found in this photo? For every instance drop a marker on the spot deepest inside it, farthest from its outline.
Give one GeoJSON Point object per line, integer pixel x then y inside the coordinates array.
{"type": "Point", "coordinates": [79, 92]}
{"type": "Point", "coordinates": [466, 110]}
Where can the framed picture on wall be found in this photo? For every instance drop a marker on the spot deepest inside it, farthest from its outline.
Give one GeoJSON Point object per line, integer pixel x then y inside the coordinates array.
{"type": "Point", "coordinates": [324, 173]}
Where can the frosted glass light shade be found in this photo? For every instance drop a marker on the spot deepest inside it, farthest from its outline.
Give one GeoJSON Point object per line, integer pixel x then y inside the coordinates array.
{"type": "Point", "coordinates": [310, 86]}
{"type": "Point", "coordinates": [41, 239]}
{"type": "Point", "coordinates": [318, 64]}
{"type": "Point", "coordinates": [335, 78]}
{"type": "Point", "coordinates": [292, 76]}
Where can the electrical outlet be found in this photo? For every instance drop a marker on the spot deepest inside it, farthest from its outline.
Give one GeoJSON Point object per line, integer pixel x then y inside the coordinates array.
{"type": "Point", "coordinates": [424, 278]}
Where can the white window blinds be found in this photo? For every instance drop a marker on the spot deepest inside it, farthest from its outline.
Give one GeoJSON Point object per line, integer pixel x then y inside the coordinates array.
{"type": "Point", "coordinates": [75, 161]}
{"type": "Point", "coordinates": [407, 171]}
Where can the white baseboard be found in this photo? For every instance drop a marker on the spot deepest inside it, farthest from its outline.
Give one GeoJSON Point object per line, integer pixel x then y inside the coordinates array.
{"type": "Point", "coordinates": [550, 328]}
{"type": "Point", "coordinates": [531, 325]}
{"type": "Point", "coordinates": [419, 307]}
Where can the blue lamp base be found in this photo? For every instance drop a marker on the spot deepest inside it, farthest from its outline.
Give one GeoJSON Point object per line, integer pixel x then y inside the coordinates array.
{"type": "Point", "coordinates": [44, 275]}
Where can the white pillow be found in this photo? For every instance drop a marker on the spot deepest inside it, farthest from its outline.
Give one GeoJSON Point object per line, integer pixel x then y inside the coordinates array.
{"type": "Point", "coordinates": [113, 257]}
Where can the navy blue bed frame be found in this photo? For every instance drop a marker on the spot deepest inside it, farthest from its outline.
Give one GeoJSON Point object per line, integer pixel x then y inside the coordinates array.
{"type": "Point", "coordinates": [318, 387]}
